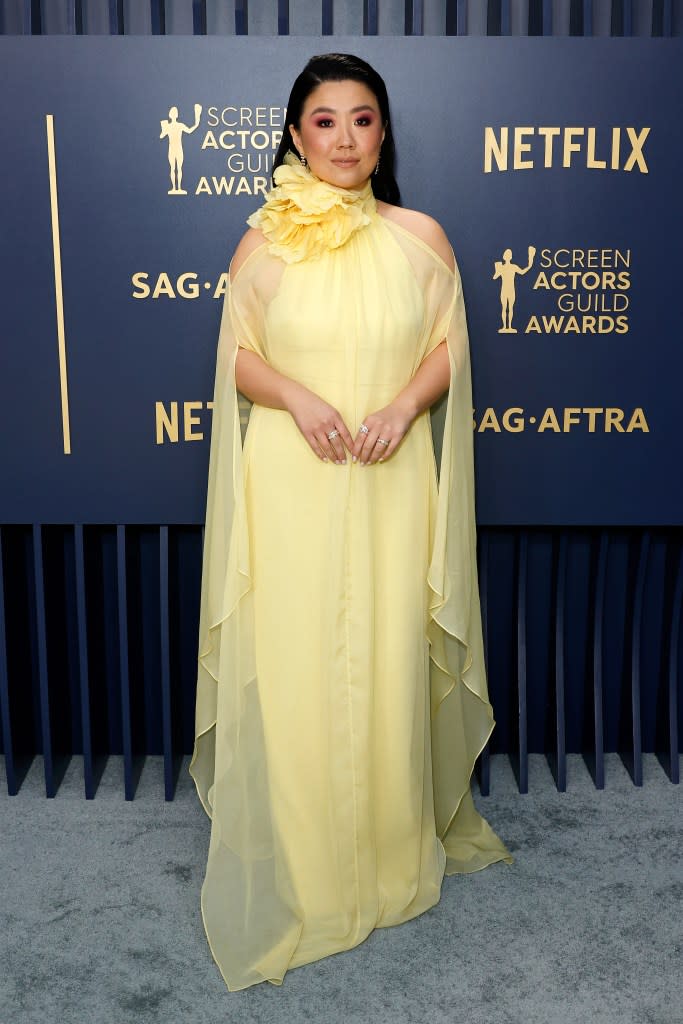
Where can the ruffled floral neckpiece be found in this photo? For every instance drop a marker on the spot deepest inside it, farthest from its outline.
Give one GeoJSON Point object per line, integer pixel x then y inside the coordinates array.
{"type": "Point", "coordinates": [304, 216]}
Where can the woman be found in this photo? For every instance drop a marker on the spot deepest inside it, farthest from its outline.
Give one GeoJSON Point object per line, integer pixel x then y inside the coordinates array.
{"type": "Point", "coordinates": [342, 698]}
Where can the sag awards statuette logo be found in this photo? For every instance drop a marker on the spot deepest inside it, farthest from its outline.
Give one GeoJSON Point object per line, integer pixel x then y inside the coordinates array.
{"type": "Point", "coordinates": [173, 130]}
{"type": "Point", "coordinates": [507, 271]}
{"type": "Point", "coordinates": [243, 139]}
{"type": "Point", "coordinates": [574, 291]}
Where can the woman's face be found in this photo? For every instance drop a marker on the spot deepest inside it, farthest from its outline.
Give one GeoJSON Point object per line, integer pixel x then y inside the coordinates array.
{"type": "Point", "coordinates": [340, 132]}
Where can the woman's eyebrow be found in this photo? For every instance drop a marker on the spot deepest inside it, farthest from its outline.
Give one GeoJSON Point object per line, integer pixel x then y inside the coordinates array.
{"type": "Point", "coordinates": [331, 110]}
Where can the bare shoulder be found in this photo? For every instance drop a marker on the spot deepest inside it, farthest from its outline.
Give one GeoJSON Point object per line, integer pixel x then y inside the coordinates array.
{"type": "Point", "coordinates": [250, 240]}
{"type": "Point", "coordinates": [421, 224]}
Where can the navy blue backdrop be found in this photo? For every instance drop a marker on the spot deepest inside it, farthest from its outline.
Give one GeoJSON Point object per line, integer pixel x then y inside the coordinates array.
{"type": "Point", "coordinates": [556, 179]}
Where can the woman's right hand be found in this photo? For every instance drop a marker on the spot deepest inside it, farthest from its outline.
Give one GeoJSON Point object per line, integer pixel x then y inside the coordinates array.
{"type": "Point", "coordinates": [316, 418]}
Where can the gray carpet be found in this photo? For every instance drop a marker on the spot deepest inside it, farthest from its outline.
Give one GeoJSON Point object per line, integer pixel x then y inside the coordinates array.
{"type": "Point", "coordinates": [100, 920]}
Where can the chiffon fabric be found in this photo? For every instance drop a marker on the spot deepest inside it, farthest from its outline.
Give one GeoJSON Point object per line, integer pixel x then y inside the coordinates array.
{"type": "Point", "coordinates": [341, 696]}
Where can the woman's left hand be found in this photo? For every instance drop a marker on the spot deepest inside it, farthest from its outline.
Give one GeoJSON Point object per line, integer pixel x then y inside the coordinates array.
{"type": "Point", "coordinates": [390, 424]}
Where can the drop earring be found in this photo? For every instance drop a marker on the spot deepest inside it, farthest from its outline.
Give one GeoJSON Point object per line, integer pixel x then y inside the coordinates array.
{"type": "Point", "coordinates": [303, 159]}
{"type": "Point", "coordinates": [377, 167]}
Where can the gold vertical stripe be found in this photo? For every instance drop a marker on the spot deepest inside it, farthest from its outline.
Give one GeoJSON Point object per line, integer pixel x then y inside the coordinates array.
{"type": "Point", "coordinates": [56, 251]}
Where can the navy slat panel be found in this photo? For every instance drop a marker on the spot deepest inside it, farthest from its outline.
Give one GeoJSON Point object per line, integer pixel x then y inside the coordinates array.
{"type": "Point", "coordinates": [493, 17]}
{"type": "Point", "coordinates": [184, 597]}
{"type": "Point", "coordinates": [143, 639]}
{"type": "Point", "coordinates": [158, 17]}
{"type": "Point", "coordinates": [102, 593]}
{"type": "Point", "coordinates": [199, 17]}
{"type": "Point", "coordinates": [241, 17]}
{"type": "Point", "coordinates": [283, 17]}
{"type": "Point", "coordinates": [461, 21]}
{"type": "Point", "coordinates": [541, 577]}
{"type": "Point", "coordinates": [636, 660]}
{"type": "Point", "coordinates": [36, 704]}
{"type": "Point", "coordinates": [587, 18]}
{"type": "Point", "coordinates": [534, 18]}
{"type": "Point", "coordinates": [41, 650]}
{"type": "Point", "coordinates": [483, 568]}
{"type": "Point", "coordinates": [560, 730]}
{"type": "Point", "coordinates": [124, 680]}
{"type": "Point", "coordinates": [547, 17]}
{"type": "Point", "coordinates": [370, 18]}
{"type": "Point", "coordinates": [83, 675]}
{"type": "Point", "coordinates": [575, 17]}
{"type": "Point", "coordinates": [501, 655]}
{"type": "Point", "coordinates": [621, 574]}
{"type": "Point", "coordinates": [521, 610]}
{"type": "Point", "coordinates": [62, 620]}
{"type": "Point", "coordinates": [414, 18]}
{"type": "Point", "coordinates": [627, 18]}
{"type": "Point", "coordinates": [165, 663]}
{"type": "Point", "coordinates": [677, 18]}
{"type": "Point", "coordinates": [5, 719]}
{"type": "Point", "coordinates": [116, 17]}
{"type": "Point", "coordinates": [598, 766]}
{"type": "Point", "coordinates": [654, 636]}
{"type": "Point", "coordinates": [505, 17]}
{"type": "Point", "coordinates": [327, 17]}
{"type": "Point", "coordinates": [20, 640]}
{"type": "Point", "coordinates": [674, 659]}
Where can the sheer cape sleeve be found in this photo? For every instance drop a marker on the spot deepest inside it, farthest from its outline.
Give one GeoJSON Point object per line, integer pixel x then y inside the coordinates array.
{"type": "Point", "coordinates": [247, 903]}
{"type": "Point", "coordinates": [461, 714]}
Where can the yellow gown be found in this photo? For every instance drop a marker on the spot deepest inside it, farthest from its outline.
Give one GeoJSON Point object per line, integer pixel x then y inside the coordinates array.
{"type": "Point", "coordinates": [341, 696]}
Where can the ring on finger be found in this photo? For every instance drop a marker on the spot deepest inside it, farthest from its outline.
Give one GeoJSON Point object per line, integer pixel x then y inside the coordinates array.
{"type": "Point", "coordinates": [334, 433]}
{"type": "Point", "coordinates": [380, 440]}
{"type": "Point", "coordinates": [364, 429]}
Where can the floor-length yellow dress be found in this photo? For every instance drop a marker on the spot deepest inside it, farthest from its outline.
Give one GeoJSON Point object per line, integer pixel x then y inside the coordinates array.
{"type": "Point", "coordinates": [341, 696]}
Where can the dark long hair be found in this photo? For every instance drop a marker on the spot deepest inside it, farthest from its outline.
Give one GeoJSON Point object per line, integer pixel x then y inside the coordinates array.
{"type": "Point", "coordinates": [339, 67]}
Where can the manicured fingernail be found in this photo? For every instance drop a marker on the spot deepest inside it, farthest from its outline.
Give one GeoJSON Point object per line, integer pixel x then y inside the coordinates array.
{"type": "Point", "coordinates": [355, 458]}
